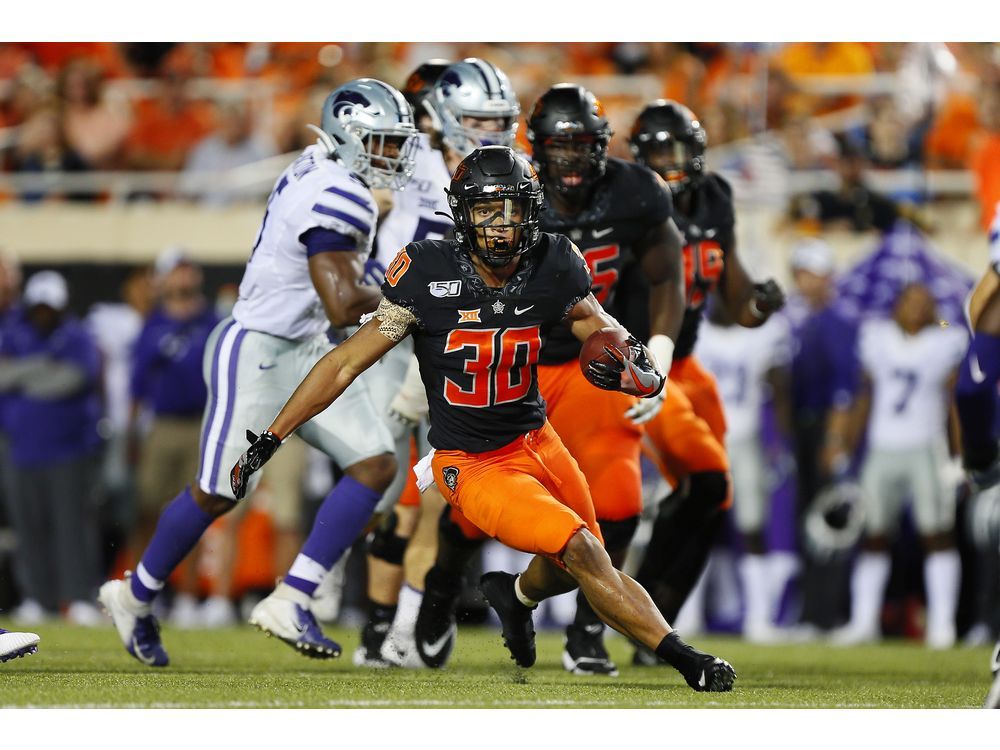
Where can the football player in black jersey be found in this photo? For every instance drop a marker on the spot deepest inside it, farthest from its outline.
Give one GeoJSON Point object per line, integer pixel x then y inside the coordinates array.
{"type": "Point", "coordinates": [479, 308]}
{"type": "Point", "coordinates": [687, 434]}
{"type": "Point", "coordinates": [618, 214]}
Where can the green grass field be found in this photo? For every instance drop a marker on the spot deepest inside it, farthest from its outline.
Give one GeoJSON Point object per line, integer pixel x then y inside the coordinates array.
{"type": "Point", "coordinates": [77, 667]}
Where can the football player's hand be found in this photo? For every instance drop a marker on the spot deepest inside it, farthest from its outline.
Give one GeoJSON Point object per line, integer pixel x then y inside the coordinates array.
{"type": "Point", "coordinates": [768, 297]}
{"type": "Point", "coordinates": [259, 453]}
{"type": "Point", "coordinates": [646, 408]}
{"type": "Point", "coordinates": [636, 377]}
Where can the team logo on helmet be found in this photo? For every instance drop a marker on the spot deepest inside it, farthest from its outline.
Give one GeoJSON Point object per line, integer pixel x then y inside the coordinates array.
{"type": "Point", "coordinates": [345, 104]}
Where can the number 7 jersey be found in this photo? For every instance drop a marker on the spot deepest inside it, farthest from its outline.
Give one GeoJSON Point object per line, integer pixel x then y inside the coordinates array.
{"type": "Point", "coordinates": [478, 346]}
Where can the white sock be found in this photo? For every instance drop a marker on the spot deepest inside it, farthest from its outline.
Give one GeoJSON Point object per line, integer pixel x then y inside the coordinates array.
{"type": "Point", "coordinates": [868, 582]}
{"type": "Point", "coordinates": [407, 609]}
{"type": "Point", "coordinates": [529, 603]}
{"type": "Point", "coordinates": [942, 578]}
{"type": "Point", "coordinates": [756, 591]}
{"type": "Point", "coordinates": [307, 569]}
{"type": "Point", "coordinates": [292, 594]}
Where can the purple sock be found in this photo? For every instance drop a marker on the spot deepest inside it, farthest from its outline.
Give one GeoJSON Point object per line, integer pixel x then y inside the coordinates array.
{"type": "Point", "coordinates": [180, 527]}
{"type": "Point", "coordinates": [340, 520]}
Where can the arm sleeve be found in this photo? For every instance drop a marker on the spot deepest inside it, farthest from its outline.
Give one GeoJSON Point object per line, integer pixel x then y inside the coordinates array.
{"type": "Point", "coordinates": [321, 240]}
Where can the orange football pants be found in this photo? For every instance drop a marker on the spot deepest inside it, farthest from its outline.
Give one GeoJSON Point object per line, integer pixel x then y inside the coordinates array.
{"type": "Point", "coordinates": [529, 495]}
{"type": "Point", "coordinates": [688, 433]}
{"type": "Point", "coordinates": [605, 443]}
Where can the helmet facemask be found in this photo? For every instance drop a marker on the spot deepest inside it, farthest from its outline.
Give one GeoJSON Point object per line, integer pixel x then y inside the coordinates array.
{"type": "Point", "coordinates": [464, 138]}
{"type": "Point", "coordinates": [572, 165]}
{"type": "Point", "coordinates": [498, 227]}
{"type": "Point", "coordinates": [670, 158]}
{"type": "Point", "coordinates": [388, 158]}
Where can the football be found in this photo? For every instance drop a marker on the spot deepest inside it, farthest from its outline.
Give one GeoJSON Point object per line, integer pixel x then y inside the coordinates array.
{"type": "Point", "coordinates": [593, 348]}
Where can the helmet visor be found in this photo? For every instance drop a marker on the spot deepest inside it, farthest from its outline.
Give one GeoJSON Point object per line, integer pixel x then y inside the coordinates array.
{"type": "Point", "coordinates": [498, 225]}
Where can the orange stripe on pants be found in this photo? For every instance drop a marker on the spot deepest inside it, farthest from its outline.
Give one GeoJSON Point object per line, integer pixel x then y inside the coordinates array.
{"type": "Point", "coordinates": [530, 494]}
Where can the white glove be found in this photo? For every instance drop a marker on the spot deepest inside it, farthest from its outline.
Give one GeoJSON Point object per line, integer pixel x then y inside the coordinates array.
{"type": "Point", "coordinates": [662, 350]}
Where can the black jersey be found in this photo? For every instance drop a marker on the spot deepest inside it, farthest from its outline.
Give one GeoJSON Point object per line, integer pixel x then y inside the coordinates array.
{"type": "Point", "coordinates": [629, 201]}
{"type": "Point", "coordinates": [708, 238]}
{"type": "Point", "coordinates": [478, 346]}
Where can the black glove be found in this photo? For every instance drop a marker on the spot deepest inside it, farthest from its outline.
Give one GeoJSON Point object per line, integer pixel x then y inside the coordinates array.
{"type": "Point", "coordinates": [637, 377]}
{"type": "Point", "coordinates": [259, 453]}
{"type": "Point", "coordinates": [767, 298]}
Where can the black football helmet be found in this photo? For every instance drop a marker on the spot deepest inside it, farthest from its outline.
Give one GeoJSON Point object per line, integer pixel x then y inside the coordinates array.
{"type": "Point", "coordinates": [668, 138]}
{"type": "Point", "coordinates": [569, 133]}
{"type": "Point", "coordinates": [420, 84]}
{"type": "Point", "coordinates": [495, 198]}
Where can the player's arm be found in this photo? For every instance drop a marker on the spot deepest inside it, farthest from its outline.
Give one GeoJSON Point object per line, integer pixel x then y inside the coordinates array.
{"type": "Point", "coordinates": [638, 376]}
{"type": "Point", "coordinates": [326, 381]}
{"type": "Point", "coordinates": [984, 304]}
{"type": "Point", "coordinates": [662, 264]}
{"type": "Point", "coordinates": [337, 277]}
{"type": "Point", "coordinates": [749, 304]}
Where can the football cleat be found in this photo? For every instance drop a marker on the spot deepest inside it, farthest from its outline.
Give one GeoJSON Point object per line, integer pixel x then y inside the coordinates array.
{"type": "Point", "coordinates": [369, 651]}
{"type": "Point", "coordinates": [993, 697]}
{"type": "Point", "coordinates": [15, 645]}
{"type": "Point", "coordinates": [515, 619]}
{"type": "Point", "coordinates": [714, 675]}
{"type": "Point", "coordinates": [134, 621]}
{"type": "Point", "coordinates": [295, 625]}
{"type": "Point", "coordinates": [584, 652]}
{"type": "Point", "coordinates": [435, 630]}
{"type": "Point", "coordinates": [400, 649]}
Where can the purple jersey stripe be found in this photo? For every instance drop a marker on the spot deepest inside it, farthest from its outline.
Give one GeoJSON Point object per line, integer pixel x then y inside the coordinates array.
{"type": "Point", "coordinates": [213, 399]}
{"type": "Point", "coordinates": [353, 198]}
{"type": "Point", "coordinates": [234, 358]}
{"type": "Point", "coordinates": [343, 216]}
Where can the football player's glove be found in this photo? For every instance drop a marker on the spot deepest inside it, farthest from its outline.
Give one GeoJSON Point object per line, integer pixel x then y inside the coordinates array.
{"type": "Point", "coordinates": [767, 298]}
{"type": "Point", "coordinates": [259, 453]}
{"type": "Point", "coordinates": [636, 376]}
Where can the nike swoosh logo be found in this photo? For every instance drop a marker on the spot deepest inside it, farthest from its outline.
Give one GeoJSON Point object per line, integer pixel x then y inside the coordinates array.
{"type": "Point", "coordinates": [598, 233]}
{"type": "Point", "coordinates": [269, 367]}
{"type": "Point", "coordinates": [978, 376]}
{"type": "Point", "coordinates": [701, 680]}
{"type": "Point", "coordinates": [519, 310]}
{"type": "Point", "coordinates": [593, 629]}
{"type": "Point", "coordinates": [147, 660]}
{"type": "Point", "coordinates": [434, 648]}
{"type": "Point", "coordinates": [645, 382]}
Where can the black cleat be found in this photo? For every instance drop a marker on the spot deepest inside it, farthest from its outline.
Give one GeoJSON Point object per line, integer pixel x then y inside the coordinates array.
{"type": "Point", "coordinates": [435, 630]}
{"type": "Point", "coordinates": [369, 652]}
{"type": "Point", "coordinates": [584, 652]}
{"type": "Point", "coordinates": [515, 619]}
{"type": "Point", "coordinates": [702, 672]}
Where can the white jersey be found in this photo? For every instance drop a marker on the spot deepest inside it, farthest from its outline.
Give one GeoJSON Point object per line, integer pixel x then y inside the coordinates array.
{"type": "Point", "coordinates": [277, 295]}
{"type": "Point", "coordinates": [739, 358]}
{"type": "Point", "coordinates": [413, 217]}
{"type": "Point", "coordinates": [909, 375]}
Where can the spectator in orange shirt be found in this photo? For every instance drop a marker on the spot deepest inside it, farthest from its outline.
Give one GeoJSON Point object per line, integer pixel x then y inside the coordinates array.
{"type": "Point", "coordinates": [167, 127]}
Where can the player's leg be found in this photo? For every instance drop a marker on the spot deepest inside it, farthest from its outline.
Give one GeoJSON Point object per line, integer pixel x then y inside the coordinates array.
{"type": "Point", "coordinates": [238, 393]}
{"type": "Point", "coordinates": [934, 513]}
{"type": "Point", "coordinates": [605, 444]}
{"type": "Point", "coordinates": [534, 498]}
{"type": "Point", "coordinates": [685, 443]}
{"type": "Point", "coordinates": [883, 479]}
{"type": "Point", "coordinates": [353, 435]}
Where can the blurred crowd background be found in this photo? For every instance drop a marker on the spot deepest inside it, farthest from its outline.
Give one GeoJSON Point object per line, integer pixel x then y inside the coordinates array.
{"type": "Point", "coordinates": [132, 181]}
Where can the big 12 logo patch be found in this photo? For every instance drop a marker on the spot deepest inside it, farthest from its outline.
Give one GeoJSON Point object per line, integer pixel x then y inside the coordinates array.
{"type": "Point", "coordinates": [703, 264]}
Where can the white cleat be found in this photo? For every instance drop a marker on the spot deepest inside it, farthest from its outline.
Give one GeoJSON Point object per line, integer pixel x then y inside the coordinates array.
{"type": "Point", "coordinates": [138, 629]}
{"type": "Point", "coordinates": [329, 594]}
{"type": "Point", "coordinates": [295, 625]}
{"type": "Point", "coordinates": [15, 645]}
{"type": "Point", "coordinates": [400, 650]}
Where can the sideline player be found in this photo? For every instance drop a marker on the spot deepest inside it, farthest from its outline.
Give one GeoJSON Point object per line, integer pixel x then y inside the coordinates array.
{"type": "Point", "coordinates": [686, 436]}
{"type": "Point", "coordinates": [304, 274]}
{"type": "Point", "coordinates": [909, 365]}
{"type": "Point", "coordinates": [617, 213]}
{"type": "Point", "coordinates": [496, 457]}
{"type": "Point", "coordinates": [466, 105]}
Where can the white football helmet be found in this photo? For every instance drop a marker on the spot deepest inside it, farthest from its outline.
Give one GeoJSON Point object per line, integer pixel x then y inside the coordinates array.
{"type": "Point", "coordinates": [359, 120]}
{"type": "Point", "coordinates": [474, 88]}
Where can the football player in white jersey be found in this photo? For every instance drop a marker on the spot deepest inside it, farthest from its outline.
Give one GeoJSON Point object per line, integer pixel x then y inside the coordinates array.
{"type": "Point", "coordinates": [305, 272]}
{"type": "Point", "coordinates": [467, 104]}
{"type": "Point", "coordinates": [751, 366]}
{"type": "Point", "coordinates": [909, 365]}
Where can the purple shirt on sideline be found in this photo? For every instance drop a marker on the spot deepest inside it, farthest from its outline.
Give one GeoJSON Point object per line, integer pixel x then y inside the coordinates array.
{"type": "Point", "coordinates": [48, 431]}
{"type": "Point", "coordinates": [824, 361]}
{"type": "Point", "coordinates": [167, 363]}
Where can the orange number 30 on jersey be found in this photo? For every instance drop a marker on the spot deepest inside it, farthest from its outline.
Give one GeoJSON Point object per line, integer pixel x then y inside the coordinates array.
{"type": "Point", "coordinates": [399, 266]}
{"type": "Point", "coordinates": [496, 379]}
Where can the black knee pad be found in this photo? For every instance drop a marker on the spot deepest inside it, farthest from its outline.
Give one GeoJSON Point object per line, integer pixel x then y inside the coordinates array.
{"type": "Point", "coordinates": [452, 534]}
{"type": "Point", "coordinates": [618, 534]}
{"type": "Point", "coordinates": [385, 545]}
